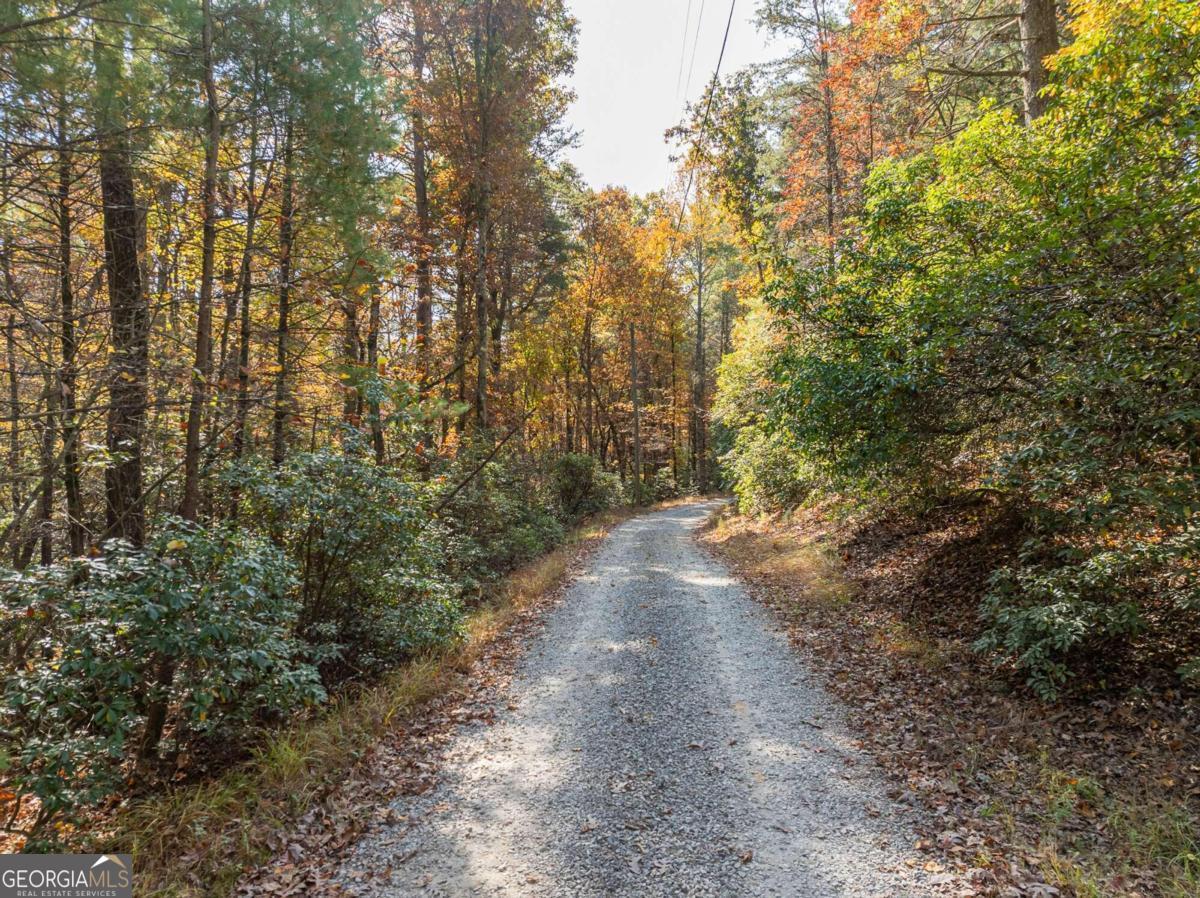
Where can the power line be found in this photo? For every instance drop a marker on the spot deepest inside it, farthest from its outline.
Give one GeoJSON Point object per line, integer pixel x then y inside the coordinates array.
{"type": "Point", "coordinates": [712, 89]}
{"type": "Point", "coordinates": [687, 20]}
{"type": "Point", "coordinates": [695, 43]}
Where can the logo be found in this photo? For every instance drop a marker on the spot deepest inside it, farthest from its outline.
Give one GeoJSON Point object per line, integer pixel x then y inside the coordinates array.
{"type": "Point", "coordinates": [66, 876]}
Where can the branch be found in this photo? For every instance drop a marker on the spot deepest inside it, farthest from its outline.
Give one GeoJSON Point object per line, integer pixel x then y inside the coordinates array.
{"type": "Point", "coordinates": [978, 73]}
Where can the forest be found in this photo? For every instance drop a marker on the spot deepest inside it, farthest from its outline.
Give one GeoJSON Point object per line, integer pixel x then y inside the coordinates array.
{"type": "Point", "coordinates": [312, 337]}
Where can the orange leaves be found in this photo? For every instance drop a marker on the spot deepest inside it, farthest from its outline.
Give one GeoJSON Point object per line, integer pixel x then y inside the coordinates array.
{"type": "Point", "coordinates": [855, 109]}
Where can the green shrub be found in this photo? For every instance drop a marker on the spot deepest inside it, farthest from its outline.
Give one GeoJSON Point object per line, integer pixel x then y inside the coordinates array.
{"type": "Point", "coordinates": [1041, 612]}
{"type": "Point", "coordinates": [1018, 309]}
{"type": "Point", "coordinates": [507, 516]}
{"type": "Point", "coordinates": [663, 486]}
{"type": "Point", "coordinates": [767, 470]}
{"type": "Point", "coordinates": [373, 590]}
{"type": "Point", "coordinates": [583, 487]}
{"type": "Point", "coordinates": [199, 625]}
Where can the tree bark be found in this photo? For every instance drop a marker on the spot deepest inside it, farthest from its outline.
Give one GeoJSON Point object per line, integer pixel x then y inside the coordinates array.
{"type": "Point", "coordinates": [482, 334]}
{"type": "Point", "coordinates": [377, 443]}
{"type": "Point", "coordinates": [483, 48]}
{"type": "Point", "coordinates": [46, 496]}
{"type": "Point", "coordinates": [833, 169]}
{"type": "Point", "coordinates": [241, 438]}
{"type": "Point", "coordinates": [14, 414]}
{"type": "Point", "coordinates": [461, 334]}
{"type": "Point", "coordinates": [68, 370]}
{"type": "Point", "coordinates": [352, 353]}
{"type": "Point", "coordinates": [637, 415]}
{"type": "Point", "coordinates": [10, 353]}
{"type": "Point", "coordinates": [279, 429]}
{"type": "Point", "coordinates": [1039, 39]}
{"type": "Point", "coordinates": [202, 367]}
{"type": "Point", "coordinates": [128, 311]}
{"type": "Point", "coordinates": [699, 428]}
{"type": "Point", "coordinates": [424, 225]}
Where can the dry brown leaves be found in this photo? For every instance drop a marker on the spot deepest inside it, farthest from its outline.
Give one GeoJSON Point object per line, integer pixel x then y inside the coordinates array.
{"type": "Point", "coordinates": [309, 853]}
{"type": "Point", "coordinates": [1012, 785]}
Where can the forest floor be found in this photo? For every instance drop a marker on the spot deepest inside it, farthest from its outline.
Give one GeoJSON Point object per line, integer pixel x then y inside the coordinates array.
{"type": "Point", "coordinates": [658, 737]}
{"type": "Point", "coordinates": [1097, 795]}
{"type": "Point", "coordinates": [650, 731]}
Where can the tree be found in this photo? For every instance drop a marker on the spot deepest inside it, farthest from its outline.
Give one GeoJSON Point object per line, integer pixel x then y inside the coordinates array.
{"type": "Point", "coordinates": [1039, 41]}
{"type": "Point", "coordinates": [127, 302]}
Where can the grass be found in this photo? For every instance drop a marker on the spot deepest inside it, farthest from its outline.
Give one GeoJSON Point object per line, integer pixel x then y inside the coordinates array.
{"type": "Point", "coordinates": [1148, 837]}
{"type": "Point", "coordinates": [807, 565]}
{"type": "Point", "coordinates": [199, 839]}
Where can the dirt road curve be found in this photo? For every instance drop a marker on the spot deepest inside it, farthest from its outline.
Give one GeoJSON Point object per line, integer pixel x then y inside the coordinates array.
{"type": "Point", "coordinates": [661, 739]}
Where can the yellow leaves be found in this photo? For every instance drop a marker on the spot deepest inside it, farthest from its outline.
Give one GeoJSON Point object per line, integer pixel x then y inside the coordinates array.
{"type": "Point", "coordinates": [175, 545]}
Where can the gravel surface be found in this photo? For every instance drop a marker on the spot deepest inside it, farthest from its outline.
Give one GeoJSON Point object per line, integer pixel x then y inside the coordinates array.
{"type": "Point", "coordinates": [660, 739]}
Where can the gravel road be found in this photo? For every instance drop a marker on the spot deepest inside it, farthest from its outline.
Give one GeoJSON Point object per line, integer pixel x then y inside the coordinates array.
{"type": "Point", "coordinates": [660, 739]}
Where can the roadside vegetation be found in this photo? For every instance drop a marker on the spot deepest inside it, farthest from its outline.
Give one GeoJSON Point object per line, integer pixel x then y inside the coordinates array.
{"type": "Point", "coordinates": [959, 413]}
{"type": "Point", "coordinates": [320, 780]}
{"type": "Point", "coordinates": [311, 338]}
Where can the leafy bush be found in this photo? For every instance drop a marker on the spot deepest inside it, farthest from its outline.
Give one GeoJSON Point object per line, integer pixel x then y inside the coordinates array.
{"type": "Point", "coordinates": [191, 636]}
{"type": "Point", "coordinates": [768, 471]}
{"type": "Point", "coordinates": [583, 487]}
{"type": "Point", "coordinates": [373, 591]}
{"type": "Point", "coordinates": [1040, 614]}
{"type": "Point", "coordinates": [506, 516]}
{"type": "Point", "coordinates": [663, 486]}
{"type": "Point", "coordinates": [765, 463]}
{"type": "Point", "coordinates": [1019, 309]}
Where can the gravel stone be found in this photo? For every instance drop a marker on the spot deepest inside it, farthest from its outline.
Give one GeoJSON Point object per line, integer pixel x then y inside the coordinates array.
{"type": "Point", "coordinates": [660, 738]}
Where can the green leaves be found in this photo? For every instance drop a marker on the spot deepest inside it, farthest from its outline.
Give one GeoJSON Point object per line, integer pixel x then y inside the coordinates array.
{"type": "Point", "coordinates": [1018, 308]}
{"type": "Point", "coordinates": [215, 603]}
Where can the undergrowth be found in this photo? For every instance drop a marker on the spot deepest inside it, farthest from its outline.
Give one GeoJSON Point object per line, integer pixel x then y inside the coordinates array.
{"type": "Point", "coordinates": [1088, 829]}
{"type": "Point", "coordinates": [198, 839]}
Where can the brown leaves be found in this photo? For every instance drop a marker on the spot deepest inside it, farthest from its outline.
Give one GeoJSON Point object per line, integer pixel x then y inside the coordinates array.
{"type": "Point", "coordinates": [309, 852]}
{"type": "Point", "coordinates": [995, 770]}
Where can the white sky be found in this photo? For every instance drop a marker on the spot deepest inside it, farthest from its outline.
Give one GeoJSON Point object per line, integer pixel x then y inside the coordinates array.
{"type": "Point", "coordinates": [628, 85]}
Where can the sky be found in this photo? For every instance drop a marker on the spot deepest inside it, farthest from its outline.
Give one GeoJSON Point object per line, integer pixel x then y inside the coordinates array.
{"type": "Point", "coordinates": [628, 83]}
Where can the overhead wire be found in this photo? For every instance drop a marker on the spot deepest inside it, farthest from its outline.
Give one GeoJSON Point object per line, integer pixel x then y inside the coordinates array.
{"type": "Point", "coordinates": [712, 89]}
{"type": "Point", "coordinates": [687, 85]}
{"type": "Point", "coordinates": [687, 20]}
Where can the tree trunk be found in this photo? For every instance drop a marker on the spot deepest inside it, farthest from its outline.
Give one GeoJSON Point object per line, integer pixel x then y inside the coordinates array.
{"type": "Point", "coordinates": [202, 367]}
{"type": "Point", "coordinates": [1039, 39]}
{"type": "Point", "coordinates": [482, 334]}
{"type": "Point", "coordinates": [460, 321]}
{"type": "Point", "coordinates": [241, 438]}
{"type": "Point", "coordinates": [483, 49]}
{"type": "Point", "coordinates": [637, 416]}
{"type": "Point", "coordinates": [14, 387]}
{"type": "Point", "coordinates": [424, 226]}
{"type": "Point", "coordinates": [373, 363]}
{"type": "Point", "coordinates": [128, 311]}
{"type": "Point", "coordinates": [568, 425]}
{"type": "Point", "coordinates": [674, 413]}
{"type": "Point", "coordinates": [589, 388]}
{"type": "Point", "coordinates": [14, 414]}
{"type": "Point", "coordinates": [699, 434]}
{"type": "Point", "coordinates": [279, 428]}
{"type": "Point", "coordinates": [46, 494]}
{"type": "Point", "coordinates": [68, 370]}
{"type": "Point", "coordinates": [833, 171]}
{"type": "Point", "coordinates": [352, 352]}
